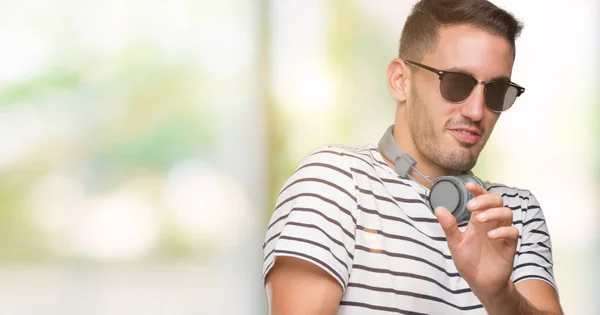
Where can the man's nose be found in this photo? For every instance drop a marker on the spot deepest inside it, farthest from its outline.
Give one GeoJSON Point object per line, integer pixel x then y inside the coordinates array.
{"type": "Point", "coordinates": [474, 105]}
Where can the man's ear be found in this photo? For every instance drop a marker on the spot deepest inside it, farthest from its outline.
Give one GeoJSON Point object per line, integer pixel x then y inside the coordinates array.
{"type": "Point", "coordinates": [397, 80]}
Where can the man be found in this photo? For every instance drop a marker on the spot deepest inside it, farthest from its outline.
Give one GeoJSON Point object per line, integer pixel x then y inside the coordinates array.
{"type": "Point", "coordinates": [351, 236]}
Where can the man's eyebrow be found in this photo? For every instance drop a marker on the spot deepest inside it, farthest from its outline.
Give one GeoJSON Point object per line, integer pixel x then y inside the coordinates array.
{"type": "Point", "coordinates": [502, 78]}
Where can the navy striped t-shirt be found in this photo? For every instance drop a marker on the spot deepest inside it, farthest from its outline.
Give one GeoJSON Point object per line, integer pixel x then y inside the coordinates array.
{"type": "Point", "coordinates": [346, 211]}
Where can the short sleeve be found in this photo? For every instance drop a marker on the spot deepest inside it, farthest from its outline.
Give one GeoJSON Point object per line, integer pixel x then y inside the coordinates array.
{"type": "Point", "coordinates": [534, 257]}
{"type": "Point", "coordinates": [315, 216]}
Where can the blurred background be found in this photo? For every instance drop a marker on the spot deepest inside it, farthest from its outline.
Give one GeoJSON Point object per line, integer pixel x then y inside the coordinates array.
{"type": "Point", "coordinates": [143, 143]}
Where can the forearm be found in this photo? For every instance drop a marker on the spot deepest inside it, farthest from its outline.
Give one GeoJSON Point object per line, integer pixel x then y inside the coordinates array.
{"type": "Point", "coordinates": [512, 302]}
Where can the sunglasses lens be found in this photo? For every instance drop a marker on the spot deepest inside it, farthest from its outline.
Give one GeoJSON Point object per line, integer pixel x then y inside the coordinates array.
{"type": "Point", "coordinates": [456, 87]}
{"type": "Point", "coordinates": [500, 96]}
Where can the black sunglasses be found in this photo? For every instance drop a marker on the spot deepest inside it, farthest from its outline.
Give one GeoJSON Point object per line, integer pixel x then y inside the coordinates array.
{"type": "Point", "coordinates": [456, 87]}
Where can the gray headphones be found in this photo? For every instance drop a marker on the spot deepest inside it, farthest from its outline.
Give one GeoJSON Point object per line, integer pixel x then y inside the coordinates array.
{"type": "Point", "coordinates": [446, 191]}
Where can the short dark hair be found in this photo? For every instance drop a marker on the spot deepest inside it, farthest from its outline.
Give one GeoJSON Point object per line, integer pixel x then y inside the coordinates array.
{"type": "Point", "coordinates": [421, 29]}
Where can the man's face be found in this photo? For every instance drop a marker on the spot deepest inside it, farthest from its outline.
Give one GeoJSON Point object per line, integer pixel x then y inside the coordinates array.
{"type": "Point", "coordinates": [440, 128]}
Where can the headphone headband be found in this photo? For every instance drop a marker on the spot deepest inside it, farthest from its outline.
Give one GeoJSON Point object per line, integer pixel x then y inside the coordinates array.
{"type": "Point", "coordinates": [403, 162]}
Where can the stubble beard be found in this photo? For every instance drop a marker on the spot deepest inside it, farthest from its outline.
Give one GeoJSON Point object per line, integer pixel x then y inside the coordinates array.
{"type": "Point", "coordinates": [432, 146]}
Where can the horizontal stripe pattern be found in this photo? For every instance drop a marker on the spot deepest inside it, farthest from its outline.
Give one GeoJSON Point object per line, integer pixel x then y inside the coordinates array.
{"type": "Point", "coordinates": [315, 216]}
{"type": "Point", "coordinates": [534, 256]}
{"type": "Point", "coordinates": [346, 211]}
{"type": "Point", "coordinates": [415, 295]}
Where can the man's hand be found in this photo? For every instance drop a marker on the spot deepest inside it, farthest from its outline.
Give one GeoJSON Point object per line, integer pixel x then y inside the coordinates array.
{"type": "Point", "coordinates": [485, 251]}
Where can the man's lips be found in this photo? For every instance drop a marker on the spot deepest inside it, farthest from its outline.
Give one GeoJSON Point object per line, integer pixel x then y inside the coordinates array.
{"type": "Point", "coordinates": [467, 130]}
{"type": "Point", "coordinates": [466, 135]}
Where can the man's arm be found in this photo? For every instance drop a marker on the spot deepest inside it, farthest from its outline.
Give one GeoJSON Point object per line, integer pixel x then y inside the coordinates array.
{"type": "Point", "coordinates": [309, 244]}
{"type": "Point", "coordinates": [298, 287]}
{"type": "Point", "coordinates": [529, 297]}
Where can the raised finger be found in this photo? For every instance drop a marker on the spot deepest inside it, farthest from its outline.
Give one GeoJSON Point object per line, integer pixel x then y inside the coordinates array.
{"type": "Point", "coordinates": [475, 189]}
{"type": "Point", "coordinates": [509, 233]}
{"type": "Point", "coordinates": [485, 201]}
{"type": "Point", "coordinates": [502, 215]}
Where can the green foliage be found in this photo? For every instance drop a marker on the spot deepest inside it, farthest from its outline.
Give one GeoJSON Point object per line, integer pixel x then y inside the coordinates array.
{"type": "Point", "coordinates": [20, 241]}
{"type": "Point", "coordinates": [160, 146]}
{"type": "Point", "coordinates": [43, 85]}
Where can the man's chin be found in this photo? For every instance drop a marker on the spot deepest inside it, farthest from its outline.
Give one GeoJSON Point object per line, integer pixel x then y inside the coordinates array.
{"type": "Point", "coordinates": [461, 160]}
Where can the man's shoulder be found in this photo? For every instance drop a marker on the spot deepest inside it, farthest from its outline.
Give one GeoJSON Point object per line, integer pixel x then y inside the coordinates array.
{"type": "Point", "coordinates": [510, 193]}
{"type": "Point", "coordinates": [343, 156]}
{"type": "Point", "coordinates": [341, 149]}
{"type": "Point", "coordinates": [506, 189]}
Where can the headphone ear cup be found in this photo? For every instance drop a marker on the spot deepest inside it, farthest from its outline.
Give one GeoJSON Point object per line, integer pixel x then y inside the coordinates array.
{"type": "Point", "coordinates": [450, 192]}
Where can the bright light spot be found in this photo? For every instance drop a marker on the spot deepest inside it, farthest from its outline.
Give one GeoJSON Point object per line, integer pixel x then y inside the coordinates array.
{"type": "Point", "coordinates": [300, 76]}
{"type": "Point", "coordinates": [314, 92]}
{"type": "Point", "coordinates": [104, 26]}
{"type": "Point", "coordinates": [226, 45]}
{"type": "Point", "coordinates": [114, 227]}
{"type": "Point", "coordinates": [170, 28]}
{"type": "Point", "coordinates": [307, 91]}
{"type": "Point", "coordinates": [22, 54]}
{"type": "Point", "coordinates": [117, 226]}
{"type": "Point", "coordinates": [19, 133]}
{"type": "Point", "coordinates": [54, 200]}
{"type": "Point", "coordinates": [207, 205]}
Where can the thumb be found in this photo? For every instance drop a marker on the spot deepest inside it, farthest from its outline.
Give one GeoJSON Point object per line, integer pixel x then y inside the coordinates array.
{"type": "Point", "coordinates": [449, 225]}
